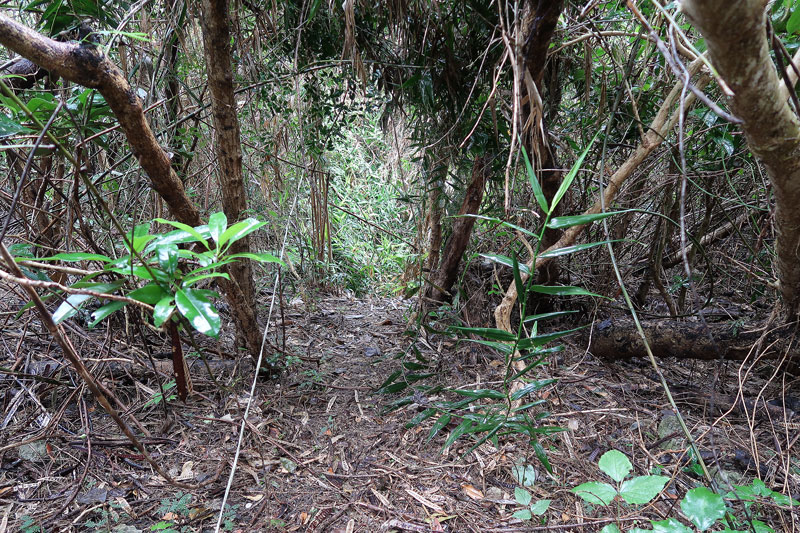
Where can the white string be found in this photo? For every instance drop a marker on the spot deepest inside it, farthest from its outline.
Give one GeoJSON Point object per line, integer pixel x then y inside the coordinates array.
{"type": "Point", "coordinates": [258, 366]}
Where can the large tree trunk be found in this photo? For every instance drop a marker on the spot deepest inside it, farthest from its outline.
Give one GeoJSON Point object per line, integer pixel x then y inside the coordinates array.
{"type": "Point", "coordinates": [217, 50]}
{"type": "Point", "coordinates": [736, 36]}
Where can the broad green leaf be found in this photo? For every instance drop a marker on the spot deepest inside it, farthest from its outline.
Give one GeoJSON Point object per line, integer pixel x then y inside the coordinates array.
{"type": "Point", "coordinates": [540, 507]}
{"type": "Point", "coordinates": [489, 333]}
{"type": "Point", "coordinates": [239, 230]}
{"type": "Point", "coordinates": [217, 224]}
{"type": "Point", "coordinates": [535, 185]}
{"type": "Point", "coordinates": [10, 127]}
{"type": "Point", "coordinates": [522, 496]}
{"type": "Point", "coordinates": [615, 464]}
{"type": "Point", "coordinates": [793, 24]}
{"type": "Point", "coordinates": [522, 514]}
{"type": "Point", "coordinates": [570, 177]}
{"type": "Point", "coordinates": [641, 490]}
{"type": "Point", "coordinates": [200, 313]}
{"type": "Point", "coordinates": [74, 257]}
{"type": "Point", "coordinates": [74, 302]}
{"type": "Point", "coordinates": [194, 232]}
{"type": "Point", "coordinates": [151, 294]}
{"type": "Point", "coordinates": [168, 257]}
{"type": "Point", "coordinates": [69, 307]}
{"type": "Point", "coordinates": [703, 507]}
{"type": "Point", "coordinates": [596, 493]}
{"type": "Point", "coordinates": [507, 261]}
{"type": "Point", "coordinates": [105, 311]}
{"type": "Point", "coordinates": [563, 290]}
{"type": "Point", "coordinates": [611, 528]}
{"type": "Point", "coordinates": [576, 220]}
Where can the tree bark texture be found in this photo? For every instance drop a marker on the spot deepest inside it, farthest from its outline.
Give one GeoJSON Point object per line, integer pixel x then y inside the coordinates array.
{"type": "Point", "coordinates": [736, 36]}
{"type": "Point", "coordinates": [446, 275]}
{"type": "Point", "coordinates": [619, 339]}
{"type": "Point", "coordinates": [87, 65]}
{"type": "Point", "coordinates": [215, 21]}
{"type": "Point", "coordinates": [540, 24]}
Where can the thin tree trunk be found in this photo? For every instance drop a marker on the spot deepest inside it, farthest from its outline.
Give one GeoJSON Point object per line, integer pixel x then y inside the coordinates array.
{"type": "Point", "coordinates": [446, 274]}
{"type": "Point", "coordinates": [215, 21]}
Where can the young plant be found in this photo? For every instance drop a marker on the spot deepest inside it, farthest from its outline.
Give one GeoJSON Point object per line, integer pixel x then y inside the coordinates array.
{"type": "Point", "coordinates": [165, 276]}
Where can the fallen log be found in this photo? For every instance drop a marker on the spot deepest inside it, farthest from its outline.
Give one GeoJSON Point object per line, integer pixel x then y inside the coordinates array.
{"type": "Point", "coordinates": [614, 339]}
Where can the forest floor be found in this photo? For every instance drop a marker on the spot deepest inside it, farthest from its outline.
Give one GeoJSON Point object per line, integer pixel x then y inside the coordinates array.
{"type": "Point", "coordinates": [321, 454]}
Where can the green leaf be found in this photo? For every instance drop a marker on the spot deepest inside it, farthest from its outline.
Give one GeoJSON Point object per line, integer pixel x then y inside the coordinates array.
{"type": "Point", "coordinates": [489, 333]}
{"type": "Point", "coordinates": [522, 514]}
{"type": "Point", "coordinates": [190, 280]}
{"type": "Point", "coordinates": [75, 257]}
{"type": "Point", "coordinates": [150, 294]}
{"type": "Point", "coordinates": [540, 507]}
{"type": "Point", "coordinates": [9, 127]}
{"type": "Point", "coordinates": [260, 257]}
{"type": "Point", "coordinates": [793, 24]}
{"type": "Point", "coordinates": [495, 220]}
{"type": "Point", "coordinates": [74, 302]}
{"type": "Point", "coordinates": [239, 230]}
{"type": "Point", "coordinates": [163, 309]}
{"type": "Point", "coordinates": [194, 232]}
{"type": "Point", "coordinates": [507, 261]}
{"type": "Point", "coordinates": [577, 220]}
{"type": "Point", "coordinates": [517, 278]}
{"type": "Point", "coordinates": [641, 490]}
{"type": "Point", "coordinates": [703, 507]}
{"type": "Point", "coordinates": [217, 224]}
{"type": "Point", "coordinates": [563, 290]}
{"type": "Point", "coordinates": [466, 426]}
{"type": "Point", "coordinates": [424, 415]}
{"type": "Point", "coordinates": [615, 464]}
{"type": "Point", "coordinates": [524, 474]}
{"type": "Point", "coordinates": [481, 393]}
{"type": "Point", "coordinates": [535, 185]}
{"type": "Point", "coordinates": [532, 387]}
{"type": "Point", "coordinates": [572, 249]}
{"type": "Point", "coordinates": [610, 528]}
{"type": "Point", "coordinates": [440, 423]}
{"type": "Point", "coordinates": [596, 493]}
{"type": "Point", "coordinates": [670, 525]}
{"type": "Point", "coordinates": [568, 179]}
{"type": "Point", "coordinates": [105, 311]}
{"type": "Point", "coordinates": [522, 496]}
{"type": "Point", "coordinates": [194, 305]}
{"type": "Point", "coordinates": [543, 316]}
{"type": "Point", "coordinates": [168, 257]}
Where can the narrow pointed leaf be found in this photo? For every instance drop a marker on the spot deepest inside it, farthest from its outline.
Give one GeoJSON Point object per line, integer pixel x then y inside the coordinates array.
{"type": "Point", "coordinates": [535, 185]}
{"type": "Point", "coordinates": [105, 311]}
{"type": "Point", "coordinates": [570, 177]}
{"type": "Point", "coordinates": [563, 290]}
{"type": "Point", "coordinates": [239, 230]}
{"type": "Point", "coordinates": [577, 220]}
{"type": "Point", "coordinates": [572, 249]}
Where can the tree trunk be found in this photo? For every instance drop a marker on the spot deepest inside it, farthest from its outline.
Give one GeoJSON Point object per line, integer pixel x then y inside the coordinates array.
{"type": "Point", "coordinates": [736, 36]}
{"type": "Point", "coordinates": [540, 24]}
{"type": "Point", "coordinates": [217, 51]}
{"type": "Point", "coordinates": [444, 278]}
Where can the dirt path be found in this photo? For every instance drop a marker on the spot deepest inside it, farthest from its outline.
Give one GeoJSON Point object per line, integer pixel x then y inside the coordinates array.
{"type": "Point", "coordinates": [319, 453]}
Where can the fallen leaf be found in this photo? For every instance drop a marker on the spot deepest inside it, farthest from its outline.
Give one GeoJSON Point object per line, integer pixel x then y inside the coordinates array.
{"type": "Point", "coordinates": [472, 492]}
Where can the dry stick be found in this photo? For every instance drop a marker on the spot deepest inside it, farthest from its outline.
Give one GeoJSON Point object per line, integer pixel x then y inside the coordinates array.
{"type": "Point", "coordinates": [74, 359]}
{"type": "Point", "coordinates": [657, 132]}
